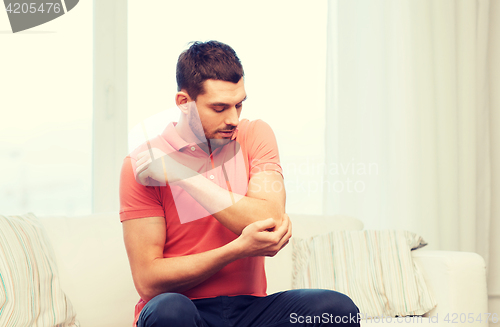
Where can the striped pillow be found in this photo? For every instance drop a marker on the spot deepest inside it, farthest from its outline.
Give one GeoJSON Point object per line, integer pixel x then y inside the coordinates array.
{"type": "Point", "coordinates": [30, 294]}
{"type": "Point", "coordinates": [373, 267]}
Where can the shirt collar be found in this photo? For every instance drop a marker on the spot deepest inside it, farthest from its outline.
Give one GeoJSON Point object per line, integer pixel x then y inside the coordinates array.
{"type": "Point", "coordinates": [173, 138]}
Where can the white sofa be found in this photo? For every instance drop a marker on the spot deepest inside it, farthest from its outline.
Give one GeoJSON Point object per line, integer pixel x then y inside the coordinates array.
{"type": "Point", "coordinates": [95, 273]}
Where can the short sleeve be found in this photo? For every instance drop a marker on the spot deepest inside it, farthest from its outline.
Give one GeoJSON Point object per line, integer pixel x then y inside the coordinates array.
{"type": "Point", "coordinates": [262, 149]}
{"type": "Point", "coordinates": [136, 200]}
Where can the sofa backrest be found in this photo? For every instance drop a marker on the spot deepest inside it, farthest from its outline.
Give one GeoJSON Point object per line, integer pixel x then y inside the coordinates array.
{"type": "Point", "coordinates": [93, 268]}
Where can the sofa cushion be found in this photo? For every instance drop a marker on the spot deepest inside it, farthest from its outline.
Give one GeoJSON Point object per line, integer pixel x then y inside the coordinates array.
{"type": "Point", "coordinates": [30, 293]}
{"type": "Point", "coordinates": [373, 267]}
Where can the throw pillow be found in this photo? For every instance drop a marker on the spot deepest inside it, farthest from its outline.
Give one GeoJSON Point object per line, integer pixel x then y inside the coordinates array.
{"type": "Point", "coordinates": [373, 267]}
{"type": "Point", "coordinates": [30, 294]}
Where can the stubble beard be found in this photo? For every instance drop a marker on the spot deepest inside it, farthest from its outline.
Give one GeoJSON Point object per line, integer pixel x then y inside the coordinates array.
{"type": "Point", "coordinates": [198, 130]}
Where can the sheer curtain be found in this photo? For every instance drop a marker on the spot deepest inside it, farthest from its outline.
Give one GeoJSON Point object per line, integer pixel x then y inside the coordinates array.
{"type": "Point", "coordinates": [408, 118]}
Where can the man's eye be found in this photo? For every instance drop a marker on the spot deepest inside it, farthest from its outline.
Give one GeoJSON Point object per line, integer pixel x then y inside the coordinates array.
{"type": "Point", "coordinates": [239, 105]}
{"type": "Point", "coordinates": [218, 109]}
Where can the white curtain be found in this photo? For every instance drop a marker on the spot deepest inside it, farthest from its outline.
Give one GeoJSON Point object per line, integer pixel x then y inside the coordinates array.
{"type": "Point", "coordinates": [408, 120]}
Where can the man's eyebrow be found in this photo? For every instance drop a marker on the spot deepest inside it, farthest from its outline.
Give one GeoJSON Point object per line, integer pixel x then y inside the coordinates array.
{"type": "Point", "coordinates": [222, 104]}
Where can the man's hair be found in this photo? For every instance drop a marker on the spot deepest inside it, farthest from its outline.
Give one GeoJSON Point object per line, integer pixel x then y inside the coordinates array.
{"type": "Point", "coordinates": [207, 60]}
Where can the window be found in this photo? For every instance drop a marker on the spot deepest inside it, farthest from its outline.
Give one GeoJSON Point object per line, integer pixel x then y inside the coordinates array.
{"type": "Point", "coordinates": [46, 115]}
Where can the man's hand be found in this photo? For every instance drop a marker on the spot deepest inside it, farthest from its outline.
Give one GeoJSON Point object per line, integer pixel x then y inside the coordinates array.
{"type": "Point", "coordinates": [148, 167]}
{"type": "Point", "coordinates": [161, 168]}
{"type": "Point", "coordinates": [262, 239]}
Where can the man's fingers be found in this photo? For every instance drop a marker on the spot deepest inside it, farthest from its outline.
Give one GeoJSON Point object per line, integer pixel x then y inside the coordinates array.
{"type": "Point", "coordinates": [142, 160]}
{"type": "Point", "coordinates": [284, 225]}
{"type": "Point", "coordinates": [262, 225]}
{"type": "Point", "coordinates": [141, 168]}
{"type": "Point", "coordinates": [145, 155]}
{"type": "Point", "coordinates": [284, 244]}
{"type": "Point", "coordinates": [142, 154]}
{"type": "Point", "coordinates": [287, 233]}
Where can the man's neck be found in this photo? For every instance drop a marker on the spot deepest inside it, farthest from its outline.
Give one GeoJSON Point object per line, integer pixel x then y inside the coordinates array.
{"type": "Point", "coordinates": [184, 131]}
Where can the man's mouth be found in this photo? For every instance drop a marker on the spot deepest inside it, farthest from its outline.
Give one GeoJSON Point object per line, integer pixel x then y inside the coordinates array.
{"type": "Point", "coordinates": [226, 133]}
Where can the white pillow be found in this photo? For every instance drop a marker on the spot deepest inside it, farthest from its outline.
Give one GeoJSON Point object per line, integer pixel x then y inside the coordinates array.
{"type": "Point", "coordinates": [30, 294]}
{"type": "Point", "coordinates": [373, 267]}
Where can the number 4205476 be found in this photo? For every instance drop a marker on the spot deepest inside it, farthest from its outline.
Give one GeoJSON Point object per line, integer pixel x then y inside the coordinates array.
{"type": "Point", "coordinates": [24, 8]}
{"type": "Point", "coordinates": [455, 318]}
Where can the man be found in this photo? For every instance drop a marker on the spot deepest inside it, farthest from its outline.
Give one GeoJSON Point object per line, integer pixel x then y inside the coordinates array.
{"type": "Point", "coordinates": [203, 204]}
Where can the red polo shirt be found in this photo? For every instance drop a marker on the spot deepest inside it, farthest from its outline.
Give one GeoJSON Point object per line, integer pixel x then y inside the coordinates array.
{"type": "Point", "coordinates": [190, 228]}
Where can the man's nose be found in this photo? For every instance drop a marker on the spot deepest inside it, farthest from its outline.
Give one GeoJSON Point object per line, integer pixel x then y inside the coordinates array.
{"type": "Point", "coordinates": [232, 117]}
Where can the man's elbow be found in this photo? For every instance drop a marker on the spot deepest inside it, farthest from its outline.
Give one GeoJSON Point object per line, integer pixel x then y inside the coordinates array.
{"type": "Point", "coordinates": [145, 286]}
{"type": "Point", "coordinates": [145, 293]}
{"type": "Point", "coordinates": [276, 211]}
{"type": "Point", "coordinates": [144, 290]}
{"type": "Point", "coordinates": [148, 291]}
{"type": "Point", "coordinates": [267, 210]}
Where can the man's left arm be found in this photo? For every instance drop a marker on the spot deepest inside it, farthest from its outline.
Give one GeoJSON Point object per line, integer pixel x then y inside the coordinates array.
{"type": "Point", "coordinates": [265, 199]}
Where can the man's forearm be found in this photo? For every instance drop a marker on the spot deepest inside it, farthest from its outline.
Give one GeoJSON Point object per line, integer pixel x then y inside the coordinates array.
{"type": "Point", "coordinates": [234, 211]}
{"type": "Point", "coordinates": [179, 274]}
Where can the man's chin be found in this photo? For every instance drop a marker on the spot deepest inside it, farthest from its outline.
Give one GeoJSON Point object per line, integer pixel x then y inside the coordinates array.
{"type": "Point", "coordinates": [218, 142]}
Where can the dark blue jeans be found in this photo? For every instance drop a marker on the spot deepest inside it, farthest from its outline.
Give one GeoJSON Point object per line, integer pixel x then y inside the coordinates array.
{"type": "Point", "coordinates": [306, 307]}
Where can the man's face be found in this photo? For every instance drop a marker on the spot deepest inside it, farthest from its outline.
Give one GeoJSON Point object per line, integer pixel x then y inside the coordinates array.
{"type": "Point", "coordinates": [218, 111]}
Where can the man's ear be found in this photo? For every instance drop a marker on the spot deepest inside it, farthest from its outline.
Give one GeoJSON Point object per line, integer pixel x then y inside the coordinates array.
{"type": "Point", "coordinates": [181, 100]}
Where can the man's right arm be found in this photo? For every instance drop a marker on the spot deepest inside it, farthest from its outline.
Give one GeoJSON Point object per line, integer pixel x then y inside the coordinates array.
{"type": "Point", "coordinates": [153, 274]}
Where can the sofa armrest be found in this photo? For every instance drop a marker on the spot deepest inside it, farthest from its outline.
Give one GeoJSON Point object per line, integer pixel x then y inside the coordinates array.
{"type": "Point", "coordinates": [457, 281]}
